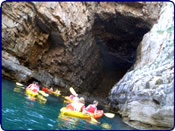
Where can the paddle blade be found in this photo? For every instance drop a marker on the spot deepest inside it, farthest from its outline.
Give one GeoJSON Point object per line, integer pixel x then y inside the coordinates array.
{"type": "Point", "coordinates": [41, 99]}
{"type": "Point", "coordinates": [21, 87]}
{"type": "Point", "coordinates": [43, 93]}
{"type": "Point", "coordinates": [17, 90]}
{"type": "Point", "coordinates": [73, 91]}
{"type": "Point", "coordinates": [109, 115]}
{"type": "Point", "coordinates": [19, 84]}
{"type": "Point", "coordinates": [94, 120]}
{"type": "Point", "coordinates": [106, 126]}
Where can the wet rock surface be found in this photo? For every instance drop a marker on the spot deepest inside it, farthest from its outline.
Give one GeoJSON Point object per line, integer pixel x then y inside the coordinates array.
{"type": "Point", "coordinates": [145, 95]}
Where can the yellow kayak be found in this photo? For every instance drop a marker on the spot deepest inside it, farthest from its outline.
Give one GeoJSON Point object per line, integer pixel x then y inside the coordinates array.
{"type": "Point", "coordinates": [80, 114]}
{"type": "Point", "coordinates": [68, 100]}
{"type": "Point", "coordinates": [30, 93]}
{"type": "Point", "coordinates": [33, 95]}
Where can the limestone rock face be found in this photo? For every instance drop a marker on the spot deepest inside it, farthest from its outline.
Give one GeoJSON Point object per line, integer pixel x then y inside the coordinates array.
{"type": "Point", "coordinates": [57, 37]}
{"type": "Point", "coordinates": [145, 95]}
{"type": "Point", "coordinates": [52, 37]}
{"type": "Point", "coordinates": [15, 71]}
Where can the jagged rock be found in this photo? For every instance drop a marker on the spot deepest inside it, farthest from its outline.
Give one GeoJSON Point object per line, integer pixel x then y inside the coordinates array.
{"type": "Point", "coordinates": [9, 57]}
{"type": "Point", "coordinates": [146, 93]}
{"type": "Point", "coordinates": [15, 71]}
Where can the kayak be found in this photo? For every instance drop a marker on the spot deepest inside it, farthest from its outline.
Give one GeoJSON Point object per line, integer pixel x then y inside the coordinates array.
{"type": "Point", "coordinates": [80, 114]}
{"type": "Point", "coordinates": [49, 91]}
{"type": "Point", "coordinates": [31, 93]}
{"type": "Point", "coordinates": [68, 100]}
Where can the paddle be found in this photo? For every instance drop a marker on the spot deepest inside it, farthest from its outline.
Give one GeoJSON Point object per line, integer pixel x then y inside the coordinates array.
{"type": "Point", "coordinates": [68, 99]}
{"type": "Point", "coordinates": [73, 91]}
{"type": "Point", "coordinates": [19, 84]}
{"type": "Point", "coordinates": [106, 126]}
{"type": "Point", "coordinates": [93, 119]}
{"type": "Point", "coordinates": [109, 115]}
{"type": "Point", "coordinates": [23, 87]}
{"type": "Point", "coordinates": [43, 93]}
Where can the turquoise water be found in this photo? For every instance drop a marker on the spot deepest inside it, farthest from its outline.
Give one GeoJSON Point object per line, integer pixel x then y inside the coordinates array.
{"type": "Point", "coordinates": [19, 113]}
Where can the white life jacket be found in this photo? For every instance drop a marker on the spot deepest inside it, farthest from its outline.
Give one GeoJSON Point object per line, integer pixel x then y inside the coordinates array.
{"type": "Point", "coordinates": [77, 106]}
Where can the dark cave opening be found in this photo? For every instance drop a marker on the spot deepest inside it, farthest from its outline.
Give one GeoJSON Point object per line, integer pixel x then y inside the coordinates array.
{"type": "Point", "coordinates": [31, 80]}
{"type": "Point", "coordinates": [118, 37]}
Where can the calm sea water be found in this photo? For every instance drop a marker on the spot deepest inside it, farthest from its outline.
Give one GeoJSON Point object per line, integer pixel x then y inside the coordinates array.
{"type": "Point", "coordinates": [19, 113]}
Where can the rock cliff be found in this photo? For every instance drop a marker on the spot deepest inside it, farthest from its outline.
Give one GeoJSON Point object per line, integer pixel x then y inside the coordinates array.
{"type": "Point", "coordinates": [52, 39]}
{"type": "Point", "coordinates": [145, 95]}
{"type": "Point", "coordinates": [59, 38]}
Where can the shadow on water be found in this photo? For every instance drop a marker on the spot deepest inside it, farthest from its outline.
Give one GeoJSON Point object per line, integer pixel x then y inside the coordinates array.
{"type": "Point", "coordinates": [19, 113]}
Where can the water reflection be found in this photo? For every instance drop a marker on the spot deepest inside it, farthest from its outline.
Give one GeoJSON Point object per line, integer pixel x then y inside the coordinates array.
{"type": "Point", "coordinates": [73, 122]}
{"type": "Point", "coordinates": [106, 126]}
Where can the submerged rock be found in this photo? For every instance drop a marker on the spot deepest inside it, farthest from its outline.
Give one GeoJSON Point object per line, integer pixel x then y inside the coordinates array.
{"type": "Point", "coordinates": [145, 95]}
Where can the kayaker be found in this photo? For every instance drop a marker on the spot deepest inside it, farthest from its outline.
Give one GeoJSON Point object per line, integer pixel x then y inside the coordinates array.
{"type": "Point", "coordinates": [57, 92]}
{"type": "Point", "coordinates": [34, 87]}
{"type": "Point", "coordinates": [71, 105]}
{"type": "Point", "coordinates": [51, 89]}
{"type": "Point", "coordinates": [77, 105]}
{"type": "Point", "coordinates": [71, 97]}
{"type": "Point", "coordinates": [44, 89]}
{"type": "Point", "coordinates": [83, 109]}
{"type": "Point", "coordinates": [92, 108]}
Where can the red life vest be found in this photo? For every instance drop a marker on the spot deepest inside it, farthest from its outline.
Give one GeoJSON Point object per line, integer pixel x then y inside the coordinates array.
{"type": "Point", "coordinates": [91, 108]}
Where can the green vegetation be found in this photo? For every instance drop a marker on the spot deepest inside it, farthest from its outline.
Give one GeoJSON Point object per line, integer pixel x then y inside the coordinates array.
{"type": "Point", "coordinates": [160, 31]}
{"type": "Point", "coordinates": [170, 29]}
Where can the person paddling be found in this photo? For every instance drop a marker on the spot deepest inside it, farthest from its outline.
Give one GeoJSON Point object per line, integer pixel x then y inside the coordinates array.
{"type": "Point", "coordinates": [71, 97]}
{"type": "Point", "coordinates": [34, 87]}
{"type": "Point", "coordinates": [77, 105]}
{"type": "Point", "coordinates": [92, 108]}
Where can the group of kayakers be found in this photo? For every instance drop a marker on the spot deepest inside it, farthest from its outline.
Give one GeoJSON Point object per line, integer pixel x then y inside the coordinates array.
{"type": "Point", "coordinates": [78, 105]}
{"type": "Point", "coordinates": [75, 107]}
{"type": "Point", "coordinates": [34, 87]}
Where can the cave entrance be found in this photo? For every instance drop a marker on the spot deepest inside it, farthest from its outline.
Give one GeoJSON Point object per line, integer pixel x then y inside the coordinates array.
{"type": "Point", "coordinates": [118, 37]}
{"type": "Point", "coordinates": [31, 80]}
